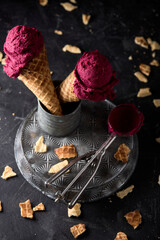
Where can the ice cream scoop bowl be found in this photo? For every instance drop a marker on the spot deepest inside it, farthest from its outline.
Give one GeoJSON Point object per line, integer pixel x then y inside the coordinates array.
{"type": "Point", "coordinates": [123, 120]}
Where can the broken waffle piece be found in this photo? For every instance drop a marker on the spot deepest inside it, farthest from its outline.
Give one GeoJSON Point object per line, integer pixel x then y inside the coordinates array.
{"type": "Point", "coordinates": [58, 32]}
{"type": "Point", "coordinates": [40, 147]}
{"type": "Point", "coordinates": [144, 92]}
{"type": "Point", "coordinates": [43, 2]}
{"type": "Point", "coordinates": [159, 179]}
{"type": "Point", "coordinates": [121, 236]}
{"type": "Point", "coordinates": [8, 173]}
{"type": "Point", "coordinates": [141, 42]}
{"type": "Point", "coordinates": [154, 63]}
{"type": "Point", "coordinates": [26, 209]}
{"type": "Point", "coordinates": [71, 49]}
{"type": "Point", "coordinates": [66, 151]}
{"type": "Point", "coordinates": [75, 211]}
{"type": "Point", "coordinates": [1, 56]}
{"type": "Point", "coordinates": [85, 18]}
{"type": "Point", "coordinates": [141, 77]}
{"type": "Point", "coordinates": [153, 44]}
{"type": "Point", "coordinates": [39, 207]}
{"type": "Point", "coordinates": [0, 206]}
{"type": "Point", "coordinates": [146, 69]}
{"type": "Point", "coordinates": [73, 1]}
{"type": "Point", "coordinates": [156, 102]}
{"type": "Point", "coordinates": [68, 6]}
{"type": "Point", "coordinates": [78, 229]}
{"type": "Point", "coordinates": [158, 140]}
{"type": "Point", "coordinates": [134, 218]}
{"type": "Point", "coordinates": [57, 167]}
{"type": "Point", "coordinates": [124, 192]}
{"type": "Point", "coordinates": [122, 153]}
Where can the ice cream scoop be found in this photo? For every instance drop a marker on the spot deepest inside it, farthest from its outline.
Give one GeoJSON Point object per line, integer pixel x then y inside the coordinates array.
{"type": "Point", "coordinates": [27, 60]}
{"type": "Point", "coordinates": [21, 46]}
{"type": "Point", "coordinates": [93, 79]}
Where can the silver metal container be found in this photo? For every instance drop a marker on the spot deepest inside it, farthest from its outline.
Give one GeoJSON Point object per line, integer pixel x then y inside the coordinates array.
{"type": "Point", "coordinates": [59, 126]}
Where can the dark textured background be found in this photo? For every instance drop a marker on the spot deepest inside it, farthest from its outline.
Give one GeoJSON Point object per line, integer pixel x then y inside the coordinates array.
{"type": "Point", "coordinates": [111, 30]}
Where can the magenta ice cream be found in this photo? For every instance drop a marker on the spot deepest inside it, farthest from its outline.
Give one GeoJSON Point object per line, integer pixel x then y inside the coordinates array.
{"type": "Point", "coordinates": [94, 77]}
{"type": "Point", "coordinates": [22, 45]}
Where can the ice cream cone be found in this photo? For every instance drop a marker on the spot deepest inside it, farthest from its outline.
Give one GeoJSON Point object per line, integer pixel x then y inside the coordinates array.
{"type": "Point", "coordinates": [36, 76]}
{"type": "Point", "coordinates": [65, 90]}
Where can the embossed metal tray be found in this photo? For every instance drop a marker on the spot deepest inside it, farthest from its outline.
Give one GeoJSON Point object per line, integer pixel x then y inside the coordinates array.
{"type": "Point", "coordinates": [89, 136]}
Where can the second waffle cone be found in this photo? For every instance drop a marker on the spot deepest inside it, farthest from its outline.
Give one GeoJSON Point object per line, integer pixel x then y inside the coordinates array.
{"type": "Point", "coordinates": [36, 76]}
{"type": "Point", "coordinates": [65, 90]}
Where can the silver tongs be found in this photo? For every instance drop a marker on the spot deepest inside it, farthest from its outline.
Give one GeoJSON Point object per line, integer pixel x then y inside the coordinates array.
{"type": "Point", "coordinates": [89, 157]}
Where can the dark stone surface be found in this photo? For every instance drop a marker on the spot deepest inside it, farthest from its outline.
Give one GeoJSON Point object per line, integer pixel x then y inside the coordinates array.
{"type": "Point", "coordinates": [112, 29]}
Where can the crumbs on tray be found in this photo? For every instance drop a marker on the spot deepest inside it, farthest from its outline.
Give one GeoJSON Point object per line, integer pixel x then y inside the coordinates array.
{"type": "Point", "coordinates": [141, 41]}
{"type": "Point", "coordinates": [78, 229]}
{"type": "Point", "coordinates": [66, 151]}
{"type": "Point", "coordinates": [8, 173]}
{"type": "Point", "coordinates": [122, 153]}
{"type": "Point", "coordinates": [40, 147]}
{"type": "Point", "coordinates": [57, 167]}
{"type": "Point", "coordinates": [134, 218]}
{"type": "Point", "coordinates": [75, 211]}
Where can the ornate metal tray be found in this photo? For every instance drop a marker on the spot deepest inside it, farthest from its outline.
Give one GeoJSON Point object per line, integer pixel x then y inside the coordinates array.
{"type": "Point", "coordinates": [89, 136]}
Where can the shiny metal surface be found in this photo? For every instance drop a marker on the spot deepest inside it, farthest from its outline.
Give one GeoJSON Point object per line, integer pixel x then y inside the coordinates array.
{"type": "Point", "coordinates": [89, 136]}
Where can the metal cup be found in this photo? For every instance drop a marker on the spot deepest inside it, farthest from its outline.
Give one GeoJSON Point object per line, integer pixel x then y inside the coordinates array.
{"type": "Point", "coordinates": [59, 126]}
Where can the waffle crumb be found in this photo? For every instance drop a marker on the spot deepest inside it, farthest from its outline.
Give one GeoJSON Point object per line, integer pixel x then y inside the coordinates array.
{"type": "Point", "coordinates": [141, 77]}
{"type": "Point", "coordinates": [39, 207]}
{"type": "Point", "coordinates": [154, 63]}
{"type": "Point", "coordinates": [146, 69]}
{"type": "Point", "coordinates": [40, 147]}
{"type": "Point", "coordinates": [78, 229]}
{"type": "Point", "coordinates": [68, 6]}
{"type": "Point", "coordinates": [159, 179]}
{"type": "Point", "coordinates": [134, 218]}
{"type": "Point", "coordinates": [57, 167]}
{"type": "Point", "coordinates": [73, 1]}
{"type": "Point", "coordinates": [8, 173]}
{"type": "Point", "coordinates": [71, 49]}
{"type": "Point", "coordinates": [75, 211]}
{"type": "Point", "coordinates": [1, 56]}
{"type": "Point", "coordinates": [43, 2]}
{"type": "Point", "coordinates": [158, 140]}
{"type": "Point", "coordinates": [130, 58]}
{"type": "Point", "coordinates": [0, 206]}
{"type": "Point", "coordinates": [122, 153]}
{"type": "Point", "coordinates": [58, 32]}
{"type": "Point", "coordinates": [156, 102]}
{"type": "Point", "coordinates": [26, 209]}
{"type": "Point", "coordinates": [121, 236]}
{"type": "Point", "coordinates": [144, 92]}
{"type": "Point", "coordinates": [141, 42]}
{"type": "Point", "coordinates": [85, 18]}
{"type": "Point", "coordinates": [153, 44]}
{"type": "Point", "coordinates": [66, 151]}
{"type": "Point", "coordinates": [124, 192]}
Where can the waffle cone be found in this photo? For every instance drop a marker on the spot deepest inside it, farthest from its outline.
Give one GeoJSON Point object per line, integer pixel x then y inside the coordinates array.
{"type": "Point", "coordinates": [36, 76]}
{"type": "Point", "coordinates": [65, 90]}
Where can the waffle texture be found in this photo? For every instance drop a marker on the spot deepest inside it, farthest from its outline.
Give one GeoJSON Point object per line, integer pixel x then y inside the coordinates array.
{"type": "Point", "coordinates": [36, 76]}
{"type": "Point", "coordinates": [65, 90]}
